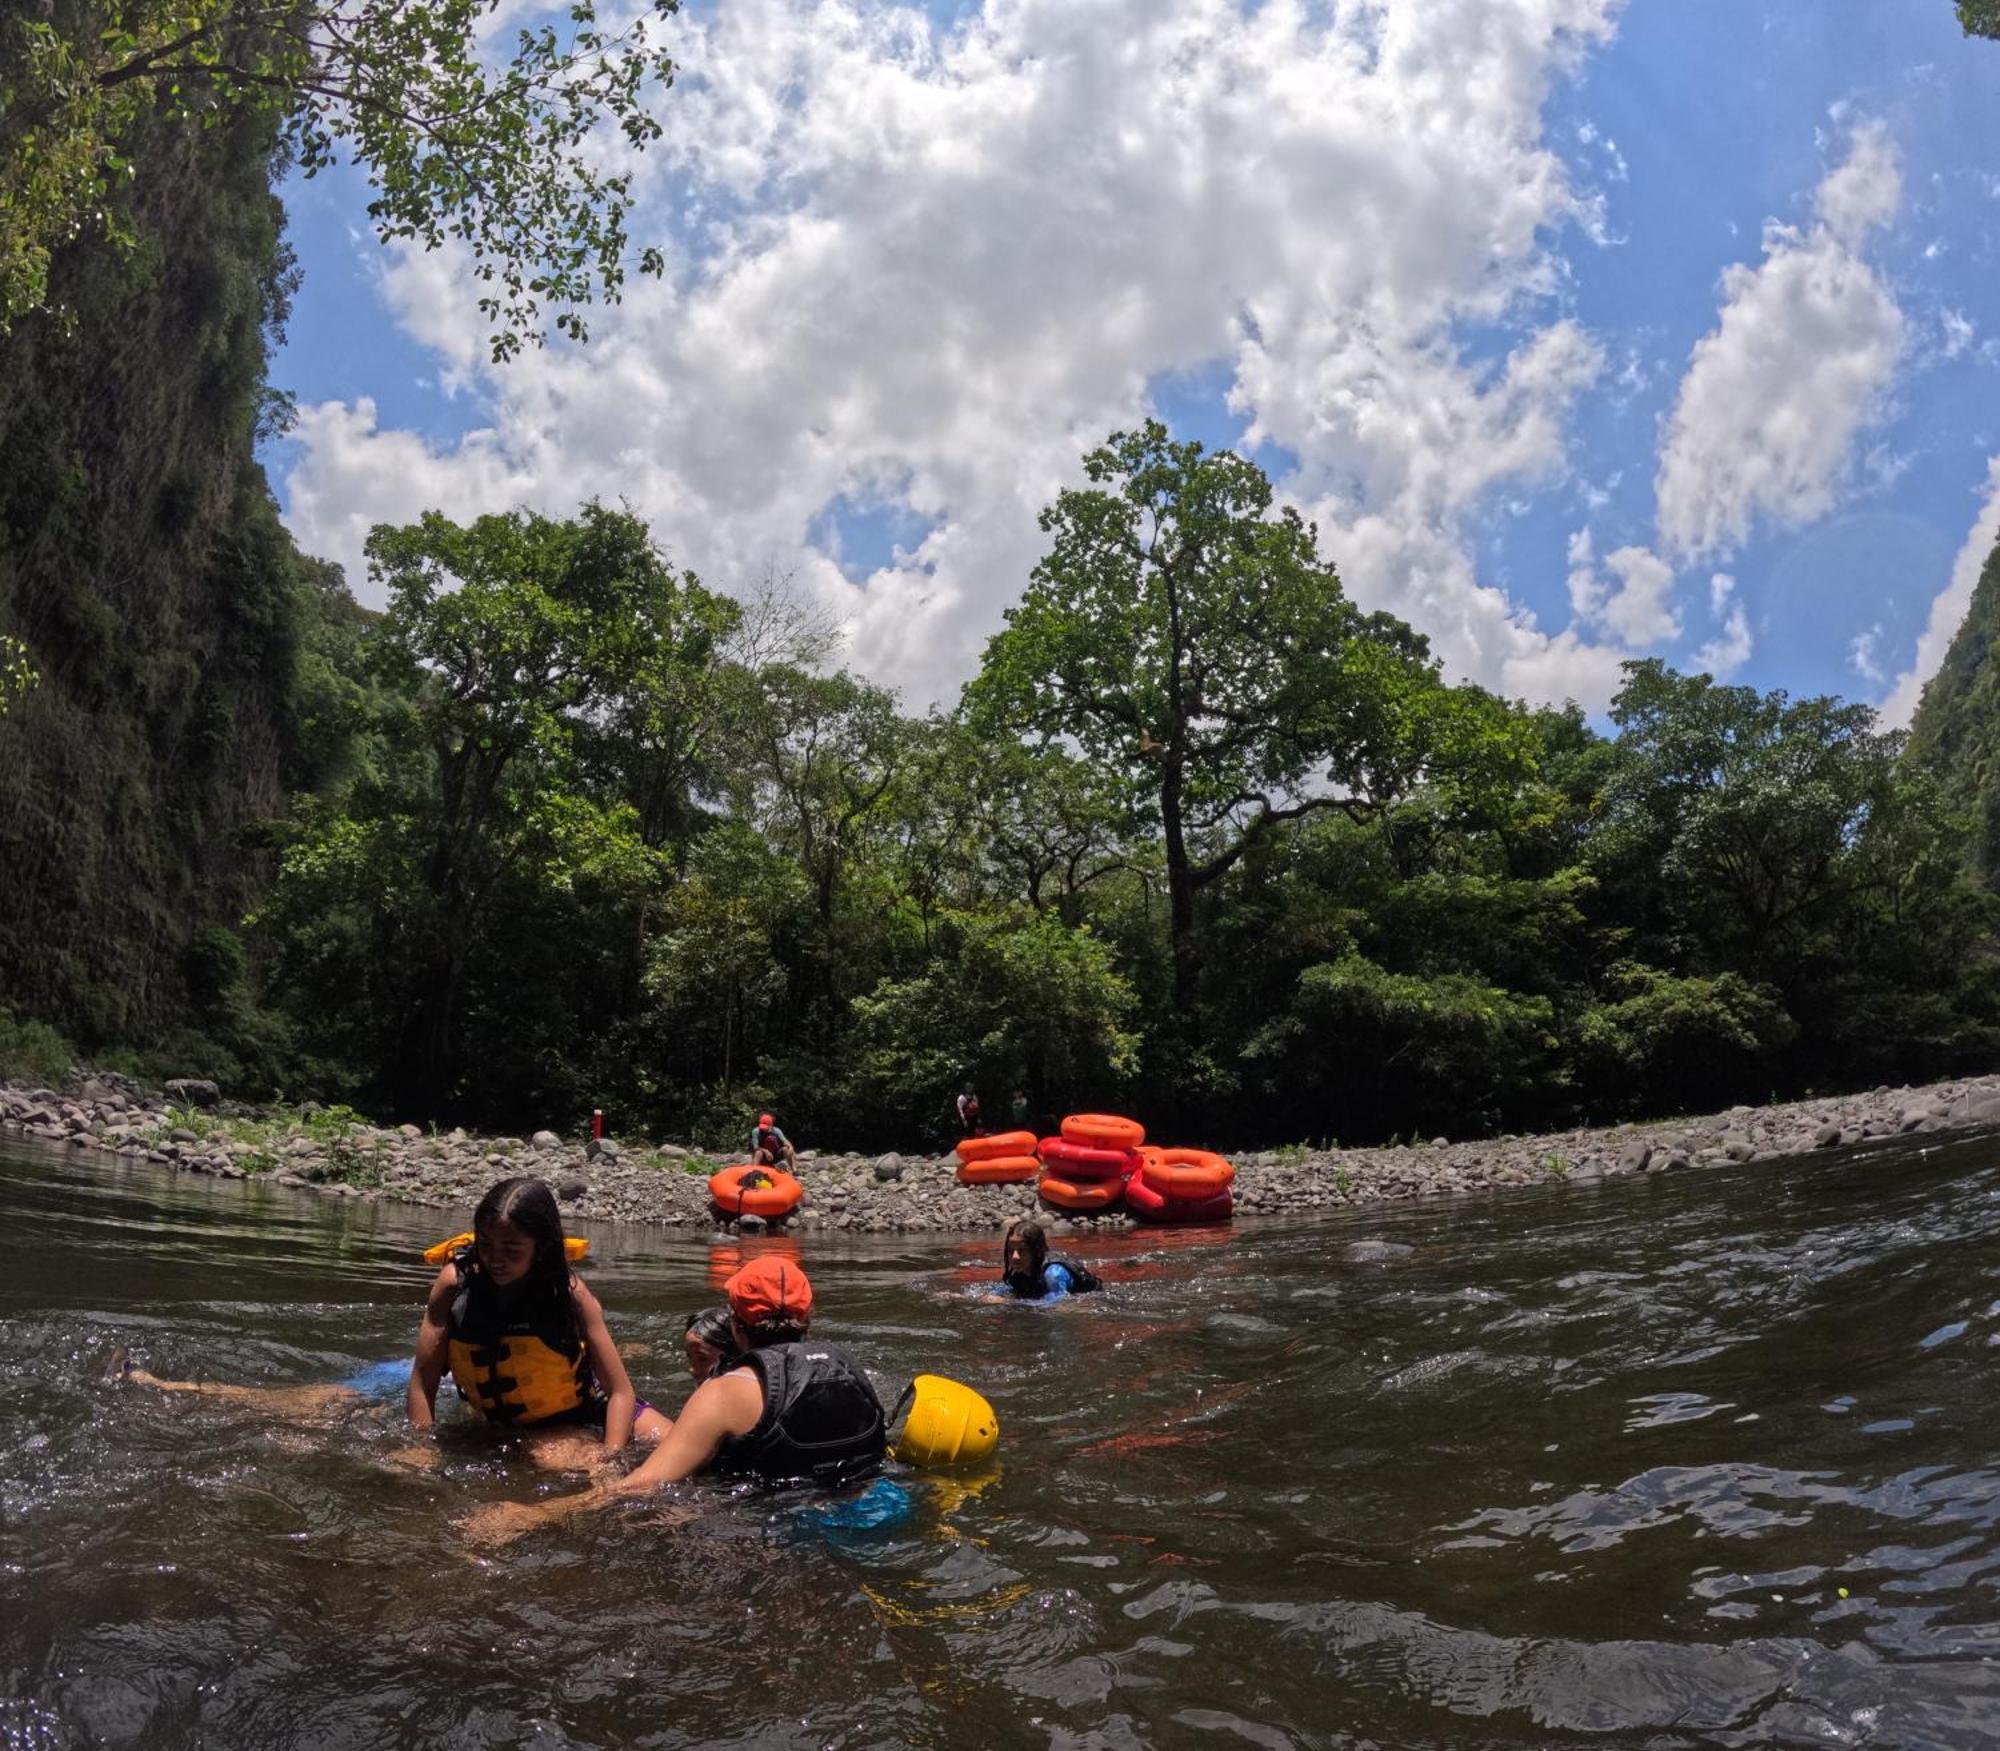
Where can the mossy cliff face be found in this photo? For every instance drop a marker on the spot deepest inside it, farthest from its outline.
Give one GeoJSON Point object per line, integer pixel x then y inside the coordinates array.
{"type": "Point", "coordinates": [1956, 732]}
{"type": "Point", "coordinates": [142, 562]}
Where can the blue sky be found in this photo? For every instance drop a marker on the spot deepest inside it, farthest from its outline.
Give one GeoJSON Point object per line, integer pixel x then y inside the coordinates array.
{"type": "Point", "coordinates": [936, 253]}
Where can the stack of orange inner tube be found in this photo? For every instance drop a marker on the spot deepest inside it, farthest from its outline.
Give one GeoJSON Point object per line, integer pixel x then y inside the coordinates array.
{"type": "Point", "coordinates": [1004, 1160]}
{"type": "Point", "coordinates": [1182, 1185]}
{"type": "Point", "coordinates": [1087, 1167]}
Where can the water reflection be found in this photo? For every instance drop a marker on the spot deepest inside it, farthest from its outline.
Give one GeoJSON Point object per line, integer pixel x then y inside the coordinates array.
{"type": "Point", "coordinates": [1694, 1461]}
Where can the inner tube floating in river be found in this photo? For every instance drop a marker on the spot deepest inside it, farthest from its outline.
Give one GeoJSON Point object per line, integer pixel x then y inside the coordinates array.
{"type": "Point", "coordinates": [1087, 1161]}
{"type": "Point", "coordinates": [1103, 1131]}
{"type": "Point", "coordinates": [1007, 1143]}
{"type": "Point", "coordinates": [998, 1170]}
{"type": "Point", "coordinates": [1184, 1175]}
{"type": "Point", "coordinates": [1071, 1194]}
{"type": "Point", "coordinates": [574, 1247]}
{"type": "Point", "coordinates": [776, 1197]}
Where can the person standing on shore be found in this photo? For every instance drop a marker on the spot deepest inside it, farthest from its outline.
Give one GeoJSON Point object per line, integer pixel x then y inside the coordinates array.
{"type": "Point", "coordinates": [968, 1113]}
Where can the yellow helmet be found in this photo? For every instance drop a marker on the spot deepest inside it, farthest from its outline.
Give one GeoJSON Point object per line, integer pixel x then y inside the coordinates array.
{"type": "Point", "coordinates": [949, 1424]}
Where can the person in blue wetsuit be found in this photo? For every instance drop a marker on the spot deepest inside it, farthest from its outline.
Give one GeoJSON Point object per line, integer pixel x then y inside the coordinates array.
{"type": "Point", "coordinates": [1028, 1273]}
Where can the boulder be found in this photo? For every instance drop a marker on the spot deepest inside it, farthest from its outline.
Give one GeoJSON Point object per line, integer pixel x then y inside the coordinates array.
{"type": "Point", "coordinates": [193, 1091]}
{"type": "Point", "coordinates": [1827, 1136]}
{"type": "Point", "coordinates": [888, 1169]}
{"type": "Point", "coordinates": [545, 1141]}
{"type": "Point", "coordinates": [1376, 1252]}
{"type": "Point", "coordinates": [571, 1187]}
{"type": "Point", "coordinates": [1634, 1156]}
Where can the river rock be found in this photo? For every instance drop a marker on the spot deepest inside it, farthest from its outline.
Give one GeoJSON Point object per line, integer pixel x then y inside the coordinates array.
{"type": "Point", "coordinates": [1376, 1252]}
{"type": "Point", "coordinates": [748, 1224]}
{"type": "Point", "coordinates": [193, 1091]}
{"type": "Point", "coordinates": [1827, 1136]}
{"type": "Point", "coordinates": [571, 1187]}
{"type": "Point", "coordinates": [888, 1169]}
{"type": "Point", "coordinates": [1634, 1156]}
{"type": "Point", "coordinates": [545, 1141]}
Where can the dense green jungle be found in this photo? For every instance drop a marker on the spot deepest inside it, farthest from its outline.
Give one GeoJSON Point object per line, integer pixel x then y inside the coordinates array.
{"type": "Point", "coordinates": [565, 826]}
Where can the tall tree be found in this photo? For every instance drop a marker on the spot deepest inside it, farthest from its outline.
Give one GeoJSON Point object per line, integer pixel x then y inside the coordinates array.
{"type": "Point", "coordinates": [493, 152]}
{"type": "Point", "coordinates": [1196, 646]}
{"type": "Point", "coordinates": [516, 642]}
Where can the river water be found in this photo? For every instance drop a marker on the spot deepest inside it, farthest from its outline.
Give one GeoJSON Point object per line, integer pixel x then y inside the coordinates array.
{"type": "Point", "coordinates": [1702, 1460]}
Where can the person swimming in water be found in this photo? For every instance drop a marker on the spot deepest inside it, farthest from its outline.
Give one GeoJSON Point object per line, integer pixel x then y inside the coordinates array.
{"type": "Point", "coordinates": [710, 1342]}
{"type": "Point", "coordinates": [524, 1339]}
{"type": "Point", "coordinates": [1028, 1273]}
{"type": "Point", "coordinates": [791, 1408]}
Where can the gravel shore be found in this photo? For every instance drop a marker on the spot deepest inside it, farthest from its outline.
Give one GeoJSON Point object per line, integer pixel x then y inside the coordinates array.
{"type": "Point", "coordinates": [190, 1129]}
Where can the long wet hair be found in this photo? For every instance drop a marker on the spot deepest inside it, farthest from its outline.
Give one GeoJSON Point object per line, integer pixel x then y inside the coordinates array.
{"type": "Point", "coordinates": [715, 1327]}
{"type": "Point", "coordinates": [1028, 1236]}
{"type": "Point", "coordinates": [530, 1206]}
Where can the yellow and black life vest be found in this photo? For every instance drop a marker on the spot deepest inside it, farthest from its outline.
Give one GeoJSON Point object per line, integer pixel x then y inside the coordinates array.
{"type": "Point", "coordinates": [515, 1364]}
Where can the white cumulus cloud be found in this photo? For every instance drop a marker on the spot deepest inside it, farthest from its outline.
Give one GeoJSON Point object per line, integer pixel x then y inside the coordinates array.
{"type": "Point", "coordinates": [927, 268]}
{"type": "Point", "coordinates": [1948, 610]}
{"type": "Point", "coordinates": [1635, 604]}
{"type": "Point", "coordinates": [1774, 396]}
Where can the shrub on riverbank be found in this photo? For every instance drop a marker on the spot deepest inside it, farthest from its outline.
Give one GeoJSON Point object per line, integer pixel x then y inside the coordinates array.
{"type": "Point", "coordinates": [32, 1051]}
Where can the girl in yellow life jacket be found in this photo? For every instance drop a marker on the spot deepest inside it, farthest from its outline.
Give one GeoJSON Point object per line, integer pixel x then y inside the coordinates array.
{"type": "Point", "coordinates": [524, 1339]}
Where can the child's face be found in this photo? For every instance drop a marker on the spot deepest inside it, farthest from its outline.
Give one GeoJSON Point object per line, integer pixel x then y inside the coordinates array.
{"type": "Point", "coordinates": [506, 1253]}
{"type": "Point", "coordinates": [702, 1358]}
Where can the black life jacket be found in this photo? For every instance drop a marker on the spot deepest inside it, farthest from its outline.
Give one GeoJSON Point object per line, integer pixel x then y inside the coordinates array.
{"type": "Point", "coordinates": [821, 1418]}
{"type": "Point", "coordinates": [516, 1363]}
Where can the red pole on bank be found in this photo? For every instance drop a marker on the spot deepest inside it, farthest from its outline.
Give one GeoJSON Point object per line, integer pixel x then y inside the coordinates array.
{"type": "Point", "coordinates": [597, 1121]}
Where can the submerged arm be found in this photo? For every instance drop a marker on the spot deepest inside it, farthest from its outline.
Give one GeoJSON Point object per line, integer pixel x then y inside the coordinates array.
{"type": "Point", "coordinates": [433, 1348]}
{"type": "Point", "coordinates": [609, 1368]}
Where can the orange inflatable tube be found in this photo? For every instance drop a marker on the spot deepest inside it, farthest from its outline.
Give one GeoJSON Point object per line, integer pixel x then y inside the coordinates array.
{"type": "Point", "coordinates": [1187, 1175]}
{"type": "Point", "coordinates": [1014, 1143]}
{"type": "Point", "coordinates": [998, 1170]}
{"type": "Point", "coordinates": [1069, 1194]}
{"type": "Point", "coordinates": [773, 1201]}
{"type": "Point", "coordinates": [1103, 1131]}
{"type": "Point", "coordinates": [1087, 1161]}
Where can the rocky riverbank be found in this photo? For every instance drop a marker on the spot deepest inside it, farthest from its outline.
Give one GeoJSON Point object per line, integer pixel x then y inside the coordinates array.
{"type": "Point", "coordinates": [189, 1128]}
